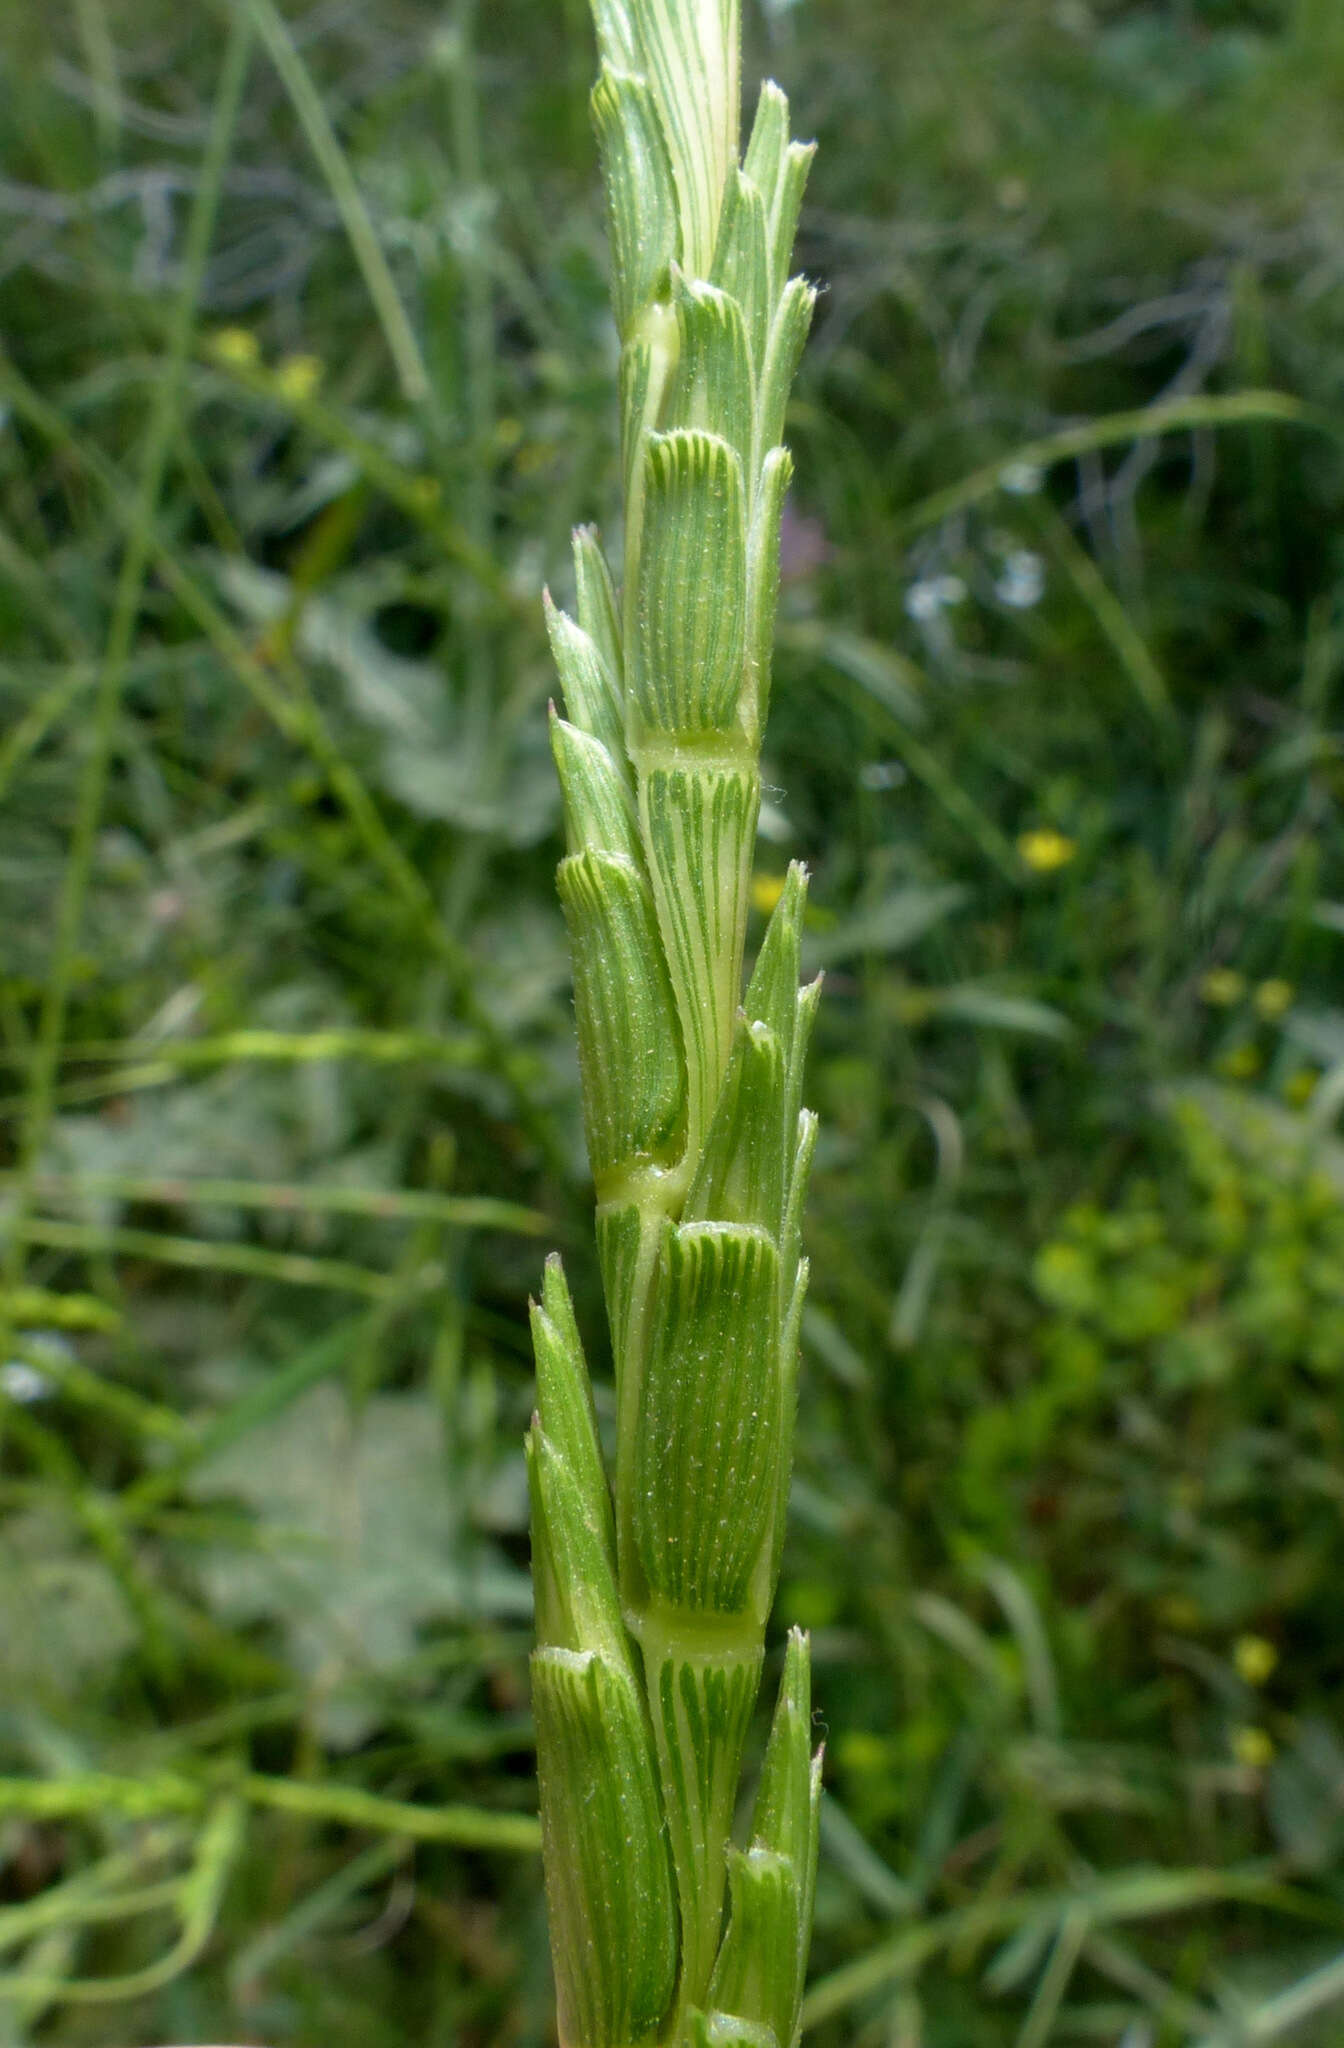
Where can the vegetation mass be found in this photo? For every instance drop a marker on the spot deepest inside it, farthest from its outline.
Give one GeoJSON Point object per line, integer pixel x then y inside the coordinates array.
{"type": "Point", "coordinates": [305, 377]}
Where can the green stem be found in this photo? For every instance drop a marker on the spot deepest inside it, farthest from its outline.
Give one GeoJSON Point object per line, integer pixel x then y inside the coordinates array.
{"type": "Point", "coordinates": [307, 102]}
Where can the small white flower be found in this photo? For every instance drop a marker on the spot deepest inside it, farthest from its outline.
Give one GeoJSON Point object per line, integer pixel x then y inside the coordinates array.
{"type": "Point", "coordinates": [1020, 584]}
{"type": "Point", "coordinates": [1021, 479]}
{"type": "Point", "coordinates": [23, 1383]}
{"type": "Point", "coordinates": [931, 595]}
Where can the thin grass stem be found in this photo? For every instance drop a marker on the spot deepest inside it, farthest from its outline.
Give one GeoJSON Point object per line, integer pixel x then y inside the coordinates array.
{"type": "Point", "coordinates": [335, 166]}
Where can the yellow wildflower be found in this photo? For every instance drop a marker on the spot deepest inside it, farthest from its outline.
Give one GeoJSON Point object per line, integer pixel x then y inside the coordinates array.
{"type": "Point", "coordinates": [1222, 987]}
{"type": "Point", "coordinates": [766, 891]}
{"type": "Point", "coordinates": [298, 378]}
{"type": "Point", "coordinates": [1253, 1748]}
{"type": "Point", "coordinates": [1044, 850]}
{"type": "Point", "coordinates": [535, 458]}
{"type": "Point", "coordinates": [1255, 1658]}
{"type": "Point", "coordinates": [1273, 997]}
{"type": "Point", "coordinates": [1179, 1611]}
{"type": "Point", "coordinates": [236, 346]}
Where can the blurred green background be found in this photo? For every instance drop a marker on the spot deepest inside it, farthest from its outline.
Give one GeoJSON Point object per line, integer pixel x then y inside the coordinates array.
{"type": "Point", "coordinates": [305, 373]}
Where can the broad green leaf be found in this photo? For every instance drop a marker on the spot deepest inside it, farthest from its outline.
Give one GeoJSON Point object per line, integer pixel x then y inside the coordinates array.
{"type": "Point", "coordinates": [599, 810]}
{"type": "Point", "coordinates": [972, 1003]}
{"type": "Point", "coordinates": [424, 755]}
{"type": "Point", "coordinates": [641, 196]}
{"type": "Point", "coordinates": [709, 1418]}
{"type": "Point", "coordinates": [685, 659]}
{"type": "Point", "coordinates": [888, 926]}
{"type": "Point", "coordinates": [763, 584]}
{"type": "Point", "coordinates": [783, 350]}
{"type": "Point", "coordinates": [699, 825]}
{"type": "Point", "coordinates": [740, 1178]}
{"type": "Point", "coordinates": [565, 1397]}
{"type": "Point", "coordinates": [741, 265]}
{"type": "Point", "coordinates": [588, 683]}
{"type": "Point", "coordinates": [65, 1623]}
{"type": "Point", "coordinates": [573, 1568]}
{"type": "Point", "coordinates": [360, 1540]}
{"type": "Point", "coordinates": [629, 1040]}
{"type": "Point", "coordinates": [714, 386]}
{"type": "Point", "coordinates": [609, 1885]}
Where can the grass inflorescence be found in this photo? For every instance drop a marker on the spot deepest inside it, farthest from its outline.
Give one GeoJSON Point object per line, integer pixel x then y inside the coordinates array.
{"type": "Point", "coordinates": [651, 1609]}
{"type": "Point", "coordinates": [1055, 729]}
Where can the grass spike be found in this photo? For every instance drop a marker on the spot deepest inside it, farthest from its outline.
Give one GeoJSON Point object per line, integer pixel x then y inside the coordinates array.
{"type": "Point", "coordinates": [692, 1092]}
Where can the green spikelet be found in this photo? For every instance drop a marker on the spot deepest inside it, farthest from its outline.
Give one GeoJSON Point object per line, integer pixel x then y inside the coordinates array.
{"type": "Point", "coordinates": [613, 1917]}
{"type": "Point", "coordinates": [653, 1593]}
{"type": "Point", "coordinates": [759, 1973]}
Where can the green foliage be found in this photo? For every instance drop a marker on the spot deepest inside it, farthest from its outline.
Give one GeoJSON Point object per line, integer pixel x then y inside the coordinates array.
{"type": "Point", "coordinates": [379, 1556]}
{"type": "Point", "coordinates": [1226, 1271]}
{"type": "Point", "coordinates": [290, 1102]}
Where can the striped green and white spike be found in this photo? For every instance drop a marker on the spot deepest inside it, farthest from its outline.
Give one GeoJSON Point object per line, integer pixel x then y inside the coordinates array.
{"type": "Point", "coordinates": [689, 54]}
{"type": "Point", "coordinates": [652, 1605]}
